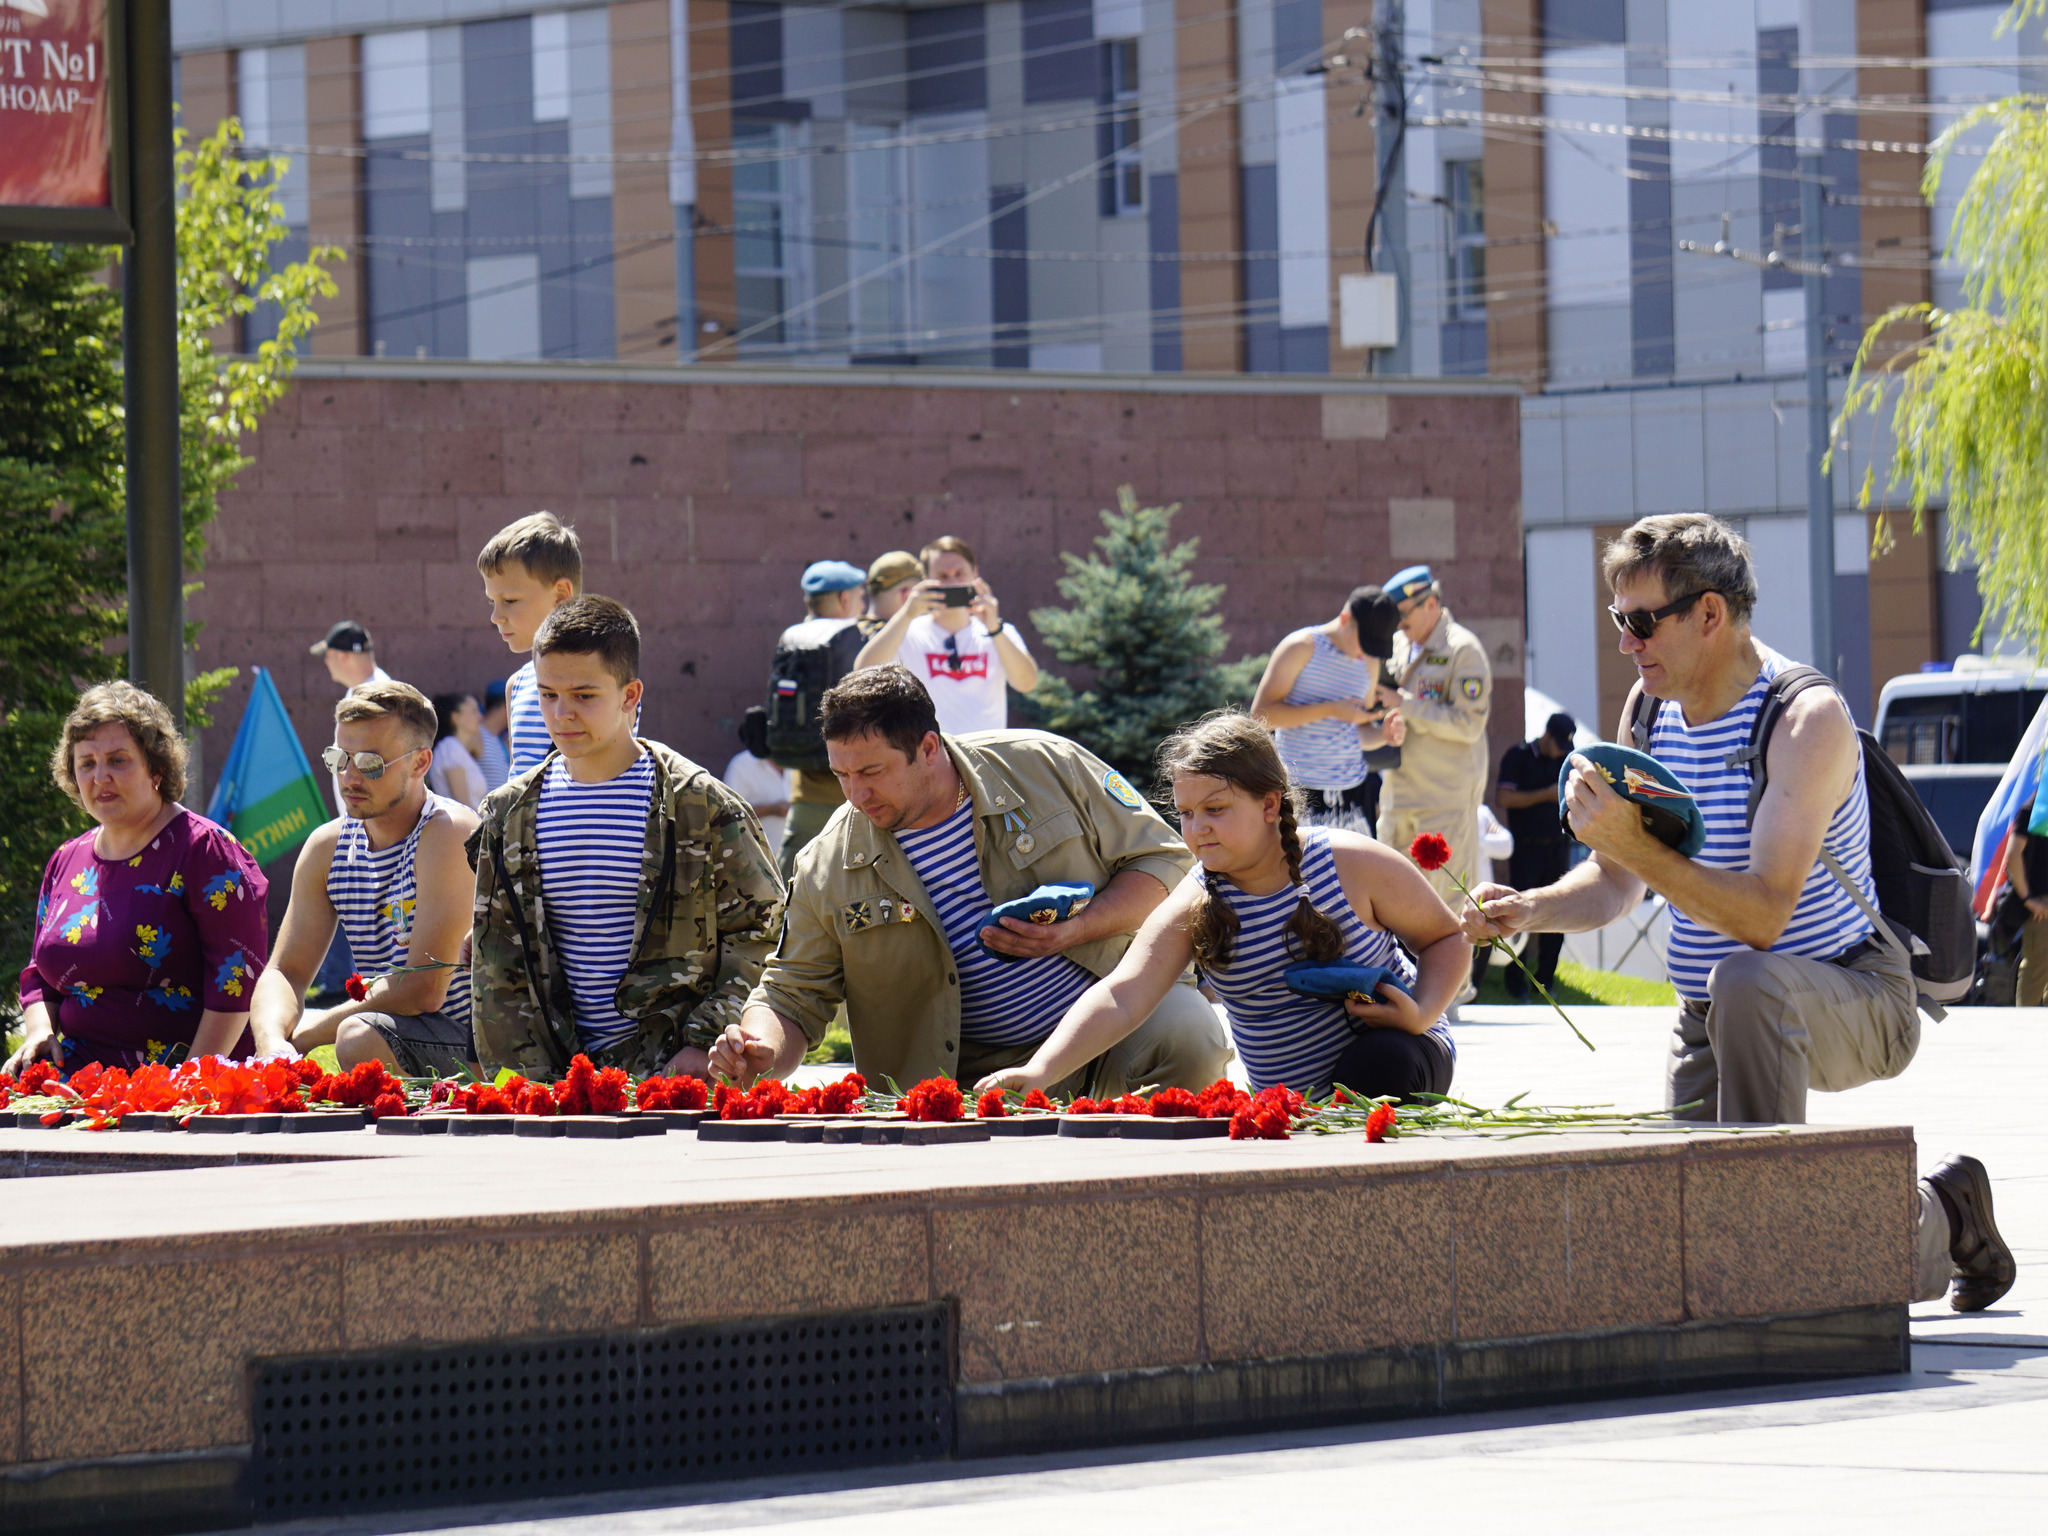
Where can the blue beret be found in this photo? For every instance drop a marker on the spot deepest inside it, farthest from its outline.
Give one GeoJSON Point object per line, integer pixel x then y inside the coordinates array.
{"type": "Point", "coordinates": [1341, 980]}
{"type": "Point", "coordinates": [1047, 904]}
{"type": "Point", "coordinates": [833, 576]}
{"type": "Point", "coordinates": [1670, 813]}
{"type": "Point", "coordinates": [1413, 582]}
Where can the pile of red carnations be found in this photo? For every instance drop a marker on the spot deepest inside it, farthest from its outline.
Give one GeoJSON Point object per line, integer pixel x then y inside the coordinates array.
{"type": "Point", "coordinates": [771, 1097]}
{"type": "Point", "coordinates": [995, 1104]}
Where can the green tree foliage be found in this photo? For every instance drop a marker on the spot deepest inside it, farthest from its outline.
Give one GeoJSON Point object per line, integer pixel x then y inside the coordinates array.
{"type": "Point", "coordinates": [1151, 638]}
{"type": "Point", "coordinates": [63, 585]}
{"type": "Point", "coordinates": [1968, 400]}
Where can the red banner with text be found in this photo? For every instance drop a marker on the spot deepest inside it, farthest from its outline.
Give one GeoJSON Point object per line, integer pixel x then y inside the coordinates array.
{"type": "Point", "coordinates": [54, 119]}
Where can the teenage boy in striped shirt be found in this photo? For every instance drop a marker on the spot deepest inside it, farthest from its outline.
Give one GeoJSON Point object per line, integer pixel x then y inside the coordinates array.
{"type": "Point", "coordinates": [530, 568]}
{"type": "Point", "coordinates": [1783, 982]}
{"type": "Point", "coordinates": [625, 899]}
{"type": "Point", "coordinates": [390, 871]}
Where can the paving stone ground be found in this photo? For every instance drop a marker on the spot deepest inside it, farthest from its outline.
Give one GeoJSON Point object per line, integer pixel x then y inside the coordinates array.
{"type": "Point", "coordinates": [1961, 1439]}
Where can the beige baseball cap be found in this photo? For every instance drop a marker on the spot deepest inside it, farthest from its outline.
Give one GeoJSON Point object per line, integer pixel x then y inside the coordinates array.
{"type": "Point", "coordinates": [893, 569]}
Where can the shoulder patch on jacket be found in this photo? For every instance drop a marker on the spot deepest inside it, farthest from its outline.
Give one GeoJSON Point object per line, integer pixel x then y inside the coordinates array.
{"type": "Point", "coordinates": [1472, 687]}
{"type": "Point", "coordinates": [1120, 789]}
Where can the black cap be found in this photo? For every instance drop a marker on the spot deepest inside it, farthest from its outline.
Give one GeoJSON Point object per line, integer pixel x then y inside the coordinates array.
{"type": "Point", "coordinates": [1377, 616]}
{"type": "Point", "coordinates": [346, 635]}
{"type": "Point", "coordinates": [1561, 728]}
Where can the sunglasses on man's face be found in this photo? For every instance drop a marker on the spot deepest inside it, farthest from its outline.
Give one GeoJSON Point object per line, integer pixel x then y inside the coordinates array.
{"type": "Point", "coordinates": [370, 765]}
{"type": "Point", "coordinates": [1643, 622]}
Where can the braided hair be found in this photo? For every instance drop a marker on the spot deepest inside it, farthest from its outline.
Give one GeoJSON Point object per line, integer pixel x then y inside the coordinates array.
{"type": "Point", "coordinates": [1230, 745]}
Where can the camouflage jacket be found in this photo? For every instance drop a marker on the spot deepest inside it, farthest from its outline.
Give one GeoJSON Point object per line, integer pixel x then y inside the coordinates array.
{"type": "Point", "coordinates": [710, 904]}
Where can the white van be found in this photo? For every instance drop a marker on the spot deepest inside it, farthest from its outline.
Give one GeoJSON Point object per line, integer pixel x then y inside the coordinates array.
{"type": "Point", "coordinates": [1953, 733]}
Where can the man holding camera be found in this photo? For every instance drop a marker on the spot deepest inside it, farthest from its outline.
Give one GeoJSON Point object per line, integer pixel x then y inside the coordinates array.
{"type": "Point", "coordinates": [951, 635]}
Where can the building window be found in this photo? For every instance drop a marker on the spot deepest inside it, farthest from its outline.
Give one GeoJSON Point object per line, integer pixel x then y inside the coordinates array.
{"type": "Point", "coordinates": [1465, 200]}
{"type": "Point", "coordinates": [764, 218]}
{"type": "Point", "coordinates": [1127, 170]}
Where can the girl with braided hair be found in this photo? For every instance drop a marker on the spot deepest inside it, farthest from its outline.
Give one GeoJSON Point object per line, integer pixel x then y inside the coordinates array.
{"type": "Point", "coordinates": [1268, 893]}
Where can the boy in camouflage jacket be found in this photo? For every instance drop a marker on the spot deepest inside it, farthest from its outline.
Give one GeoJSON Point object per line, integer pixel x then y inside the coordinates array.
{"type": "Point", "coordinates": [708, 902]}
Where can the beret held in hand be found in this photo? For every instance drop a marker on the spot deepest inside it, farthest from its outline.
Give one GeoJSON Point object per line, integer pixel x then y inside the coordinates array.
{"type": "Point", "coordinates": [1669, 812]}
{"type": "Point", "coordinates": [1342, 981]}
{"type": "Point", "coordinates": [1047, 904]}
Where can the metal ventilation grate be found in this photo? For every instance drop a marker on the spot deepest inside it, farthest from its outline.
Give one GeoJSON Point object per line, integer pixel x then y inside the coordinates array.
{"type": "Point", "coordinates": [474, 1423]}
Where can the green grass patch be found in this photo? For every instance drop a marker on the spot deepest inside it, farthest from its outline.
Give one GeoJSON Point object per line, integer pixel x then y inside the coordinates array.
{"type": "Point", "coordinates": [837, 1046]}
{"type": "Point", "coordinates": [1581, 985]}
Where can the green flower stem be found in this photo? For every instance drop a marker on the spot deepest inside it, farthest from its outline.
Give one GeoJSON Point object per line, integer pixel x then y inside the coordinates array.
{"type": "Point", "coordinates": [1502, 945]}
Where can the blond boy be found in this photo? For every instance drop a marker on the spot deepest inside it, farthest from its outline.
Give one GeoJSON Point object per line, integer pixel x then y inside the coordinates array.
{"type": "Point", "coordinates": [530, 568]}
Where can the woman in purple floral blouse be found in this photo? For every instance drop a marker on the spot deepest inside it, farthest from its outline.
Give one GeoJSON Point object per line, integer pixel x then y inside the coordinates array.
{"type": "Point", "coordinates": [150, 929]}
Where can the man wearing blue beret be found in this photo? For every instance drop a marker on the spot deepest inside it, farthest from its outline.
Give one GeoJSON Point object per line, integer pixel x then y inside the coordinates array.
{"type": "Point", "coordinates": [1445, 693]}
{"type": "Point", "coordinates": [1783, 981]}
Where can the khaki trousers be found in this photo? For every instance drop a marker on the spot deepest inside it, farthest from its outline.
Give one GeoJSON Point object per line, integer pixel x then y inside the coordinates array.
{"type": "Point", "coordinates": [2033, 983]}
{"type": "Point", "coordinates": [1460, 828]}
{"type": "Point", "coordinates": [1776, 1025]}
{"type": "Point", "coordinates": [1182, 1045]}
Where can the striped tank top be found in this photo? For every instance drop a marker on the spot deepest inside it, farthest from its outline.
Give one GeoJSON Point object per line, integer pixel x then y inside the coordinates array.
{"type": "Point", "coordinates": [1826, 921]}
{"type": "Point", "coordinates": [1281, 1037]}
{"type": "Point", "coordinates": [523, 722]}
{"type": "Point", "coordinates": [1002, 1002]}
{"type": "Point", "coordinates": [374, 891]}
{"type": "Point", "coordinates": [590, 840]}
{"type": "Point", "coordinates": [1326, 754]}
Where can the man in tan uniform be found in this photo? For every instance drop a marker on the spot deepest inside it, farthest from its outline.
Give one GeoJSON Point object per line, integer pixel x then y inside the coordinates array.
{"type": "Point", "coordinates": [1446, 689]}
{"type": "Point", "coordinates": [891, 907]}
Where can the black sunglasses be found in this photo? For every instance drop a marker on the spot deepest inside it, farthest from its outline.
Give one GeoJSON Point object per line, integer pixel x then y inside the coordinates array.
{"type": "Point", "coordinates": [1643, 622]}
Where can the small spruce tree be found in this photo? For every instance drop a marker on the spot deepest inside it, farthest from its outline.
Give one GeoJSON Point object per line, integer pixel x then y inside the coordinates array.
{"type": "Point", "coordinates": [1152, 639]}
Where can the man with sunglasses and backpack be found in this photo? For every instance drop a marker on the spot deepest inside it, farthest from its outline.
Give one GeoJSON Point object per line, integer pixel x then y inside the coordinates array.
{"type": "Point", "coordinates": [1785, 982]}
{"type": "Point", "coordinates": [390, 872]}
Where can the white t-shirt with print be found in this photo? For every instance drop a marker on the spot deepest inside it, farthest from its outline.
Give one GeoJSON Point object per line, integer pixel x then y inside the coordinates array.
{"type": "Point", "coordinates": [961, 670]}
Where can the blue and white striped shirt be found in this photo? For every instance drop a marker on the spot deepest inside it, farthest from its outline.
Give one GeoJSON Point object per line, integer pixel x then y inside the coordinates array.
{"type": "Point", "coordinates": [374, 893]}
{"type": "Point", "coordinates": [591, 837]}
{"type": "Point", "coordinates": [523, 722]}
{"type": "Point", "coordinates": [1002, 1002]}
{"type": "Point", "coordinates": [1826, 921]}
{"type": "Point", "coordinates": [1281, 1037]}
{"type": "Point", "coordinates": [1326, 754]}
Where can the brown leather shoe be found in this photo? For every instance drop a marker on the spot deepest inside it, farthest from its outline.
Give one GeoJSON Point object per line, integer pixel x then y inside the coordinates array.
{"type": "Point", "coordinates": [1985, 1269]}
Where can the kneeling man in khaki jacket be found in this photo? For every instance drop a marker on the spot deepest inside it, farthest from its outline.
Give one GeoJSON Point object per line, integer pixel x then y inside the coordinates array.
{"type": "Point", "coordinates": [889, 906]}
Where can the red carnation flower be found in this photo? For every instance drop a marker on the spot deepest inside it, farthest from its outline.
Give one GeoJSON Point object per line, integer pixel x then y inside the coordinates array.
{"type": "Point", "coordinates": [36, 1076]}
{"type": "Point", "coordinates": [356, 988]}
{"type": "Point", "coordinates": [608, 1092]}
{"type": "Point", "coordinates": [1036, 1099]}
{"type": "Point", "coordinates": [1084, 1106]}
{"type": "Point", "coordinates": [843, 1097]}
{"type": "Point", "coordinates": [936, 1098]}
{"type": "Point", "coordinates": [991, 1106]}
{"type": "Point", "coordinates": [531, 1099]}
{"type": "Point", "coordinates": [1130, 1104]}
{"type": "Point", "coordinates": [1379, 1122]}
{"type": "Point", "coordinates": [386, 1106]}
{"type": "Point", "coordinates": [1220, 1100]}
{"type": "Point", "coordinates": [1430, 851]}
{"type": "Point", "coordinates": [1174, 1101]}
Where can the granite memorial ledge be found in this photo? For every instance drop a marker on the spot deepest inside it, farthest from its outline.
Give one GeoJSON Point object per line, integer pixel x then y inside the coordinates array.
{"type": "Point", "coordinates": [1097, 1291]}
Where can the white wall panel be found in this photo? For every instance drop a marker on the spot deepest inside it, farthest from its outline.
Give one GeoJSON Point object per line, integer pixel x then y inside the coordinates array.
{"type": "Point", "coordinates": [1564, 603]}
{"type": "Point", "coordinates": [1303, 159]}
{"type": "Point", "coordinates": [397, 85]}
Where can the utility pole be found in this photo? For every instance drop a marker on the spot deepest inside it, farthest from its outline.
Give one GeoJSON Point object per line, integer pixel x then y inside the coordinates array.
{"type": "Point", "coordinates": [1390, 30]}
{"type": "Point", "coordinates": [149, 370]}
{"type": "Point", "coordinates": [1820, 491]}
